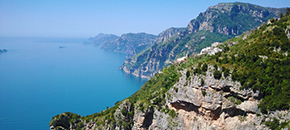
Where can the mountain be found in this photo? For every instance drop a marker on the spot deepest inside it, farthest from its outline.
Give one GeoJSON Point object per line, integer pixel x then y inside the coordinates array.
{"type": "Point", "coordinates": [166, 34]}
{"type": "Point", "coordinates": [130, 43]}
{"type": "Point", "coordinates": [244, 86]}
{"type": "Point", "coordinates": [100, 39]}
{"type": "Point", "coordinates": [232, 18]}
{"type": "Point", "coordinates": [217, 24]}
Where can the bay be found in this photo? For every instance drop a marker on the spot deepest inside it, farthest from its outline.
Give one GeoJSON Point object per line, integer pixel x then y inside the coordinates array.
{"type": "Point", "coordinates": [39, 80]}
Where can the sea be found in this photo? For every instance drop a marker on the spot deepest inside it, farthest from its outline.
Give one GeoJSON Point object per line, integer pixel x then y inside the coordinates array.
{"type": "Point", "coordinates": [42, 77]}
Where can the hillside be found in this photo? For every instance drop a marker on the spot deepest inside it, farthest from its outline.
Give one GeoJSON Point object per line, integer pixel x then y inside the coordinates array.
{"type": "Point", "coordinates": [130, 43]}
{"type": "Point", "coordinates": [100, 39]}
{"type": "Point", "coordinates": [245, 86]}
{"type": "Point", "coordinates": [217, 24]}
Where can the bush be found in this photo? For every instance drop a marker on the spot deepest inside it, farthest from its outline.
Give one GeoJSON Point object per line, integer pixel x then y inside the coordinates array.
{"type": "Point", "coordinates": [187, 73]}
{"type": "Point", "coordinates": [273, 125]}
{"type": "Point", "coordinates": [172, 113]}
{"type": "Point", "coordinates": [203, 93]}
{"type": "Point", "coordinates": [223, 69]}
{"type": "Point", "coordinates": [204, 67]}
{"type": "Point", "coordinates": [176, 89]}
{"type": "Point", "coordinates": [216, 67]}
{"type": "Point", "coordinates": [217, 74]}
{"type": "Point", "coordinates": [202, 82]}
{"type": "Point", "coordinates": [226, 72]}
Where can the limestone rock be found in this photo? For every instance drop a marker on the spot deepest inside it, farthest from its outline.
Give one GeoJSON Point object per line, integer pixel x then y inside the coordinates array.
{"type": "Point", "coordinates": [249, 106]}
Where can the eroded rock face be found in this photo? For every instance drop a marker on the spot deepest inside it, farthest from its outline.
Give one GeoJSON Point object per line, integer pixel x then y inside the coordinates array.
{"type": "Point", "coordinates": [215, 110]}
{"type": "Point", "coordinates": [227, 13]}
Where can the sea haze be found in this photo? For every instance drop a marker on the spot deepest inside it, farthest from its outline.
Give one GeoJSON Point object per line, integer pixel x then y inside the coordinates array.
{"type": "Point", "coordinates": [39, 80]}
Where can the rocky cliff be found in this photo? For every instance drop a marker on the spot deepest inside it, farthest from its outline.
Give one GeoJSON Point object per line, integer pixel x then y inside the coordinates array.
{"type": "Point", "coordinates": [214, 105]}
{"type": "Point", "coordinates": [246, 86]}
{"type": "Point", "coordinates": [232, 18]}
{"type": "Point", "coordinates": [216, 24]}
{"type": "Point", "coordinates": [168, 33]}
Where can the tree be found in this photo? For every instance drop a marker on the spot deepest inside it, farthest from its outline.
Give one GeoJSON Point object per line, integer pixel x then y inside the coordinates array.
{"type": "Point", "coordinates": [281, 15]}
{"type": "Point", "coordinates": [216, 67]}
{"type": "Point", "coordinates": [217, 74]}
{"type": "Point", "coordinates": [288, 12]}
{"type": "Point", "coordinates": [233, 58]}
{"type": "Point", "coordinates": [187, 73]}
{"type": "Point", "coordinates": [204, 67]}
{"type": "Point", "coordinates": [223, 69]}
{"type": "Point", "coordinates": [202, 82]}
{"type": "Point", "coordinates": [226, 72]}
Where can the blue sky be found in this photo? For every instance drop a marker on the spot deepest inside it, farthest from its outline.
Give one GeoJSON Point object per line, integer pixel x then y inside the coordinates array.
{"type": "Point", "coordinates": [85, 18]}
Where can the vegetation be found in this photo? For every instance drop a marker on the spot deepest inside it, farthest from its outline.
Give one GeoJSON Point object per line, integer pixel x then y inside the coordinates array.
{"type": "Point", "coordinates": [217, 74]}
{"type": "Point", "coordinates": [260, 63]}
{"type": "Point", "coordinates": [202, 82]}
{"type": "Point", "coordinates": [276, 125]}
{"type": "Point", "coordinates": [234, 100]}
{"type": "Point", "coordinates": [203, 93]}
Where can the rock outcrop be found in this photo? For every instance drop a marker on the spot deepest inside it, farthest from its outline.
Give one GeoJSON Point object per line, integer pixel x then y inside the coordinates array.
{"type": "Point", "coordinates": [229, 18]}
{"type": "Point", "coordinates": [3, 51]}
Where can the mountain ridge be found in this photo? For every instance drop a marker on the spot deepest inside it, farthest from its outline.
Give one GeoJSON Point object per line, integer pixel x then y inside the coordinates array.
{"type": "Point", "coordinates": [200, 33]}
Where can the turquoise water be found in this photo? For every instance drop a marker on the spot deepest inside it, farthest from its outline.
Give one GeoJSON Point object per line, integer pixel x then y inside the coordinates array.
{"type": "Point", "coordinates": [39, 80]}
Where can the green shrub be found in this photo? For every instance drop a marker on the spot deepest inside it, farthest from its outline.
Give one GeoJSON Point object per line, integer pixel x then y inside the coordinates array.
{"type": "Point", "coordinates": [176, 89]}
{"type": "Point", "coordinates": [204, 67]}
{"type": "Point", "coordinates": [217, 74]}
{"type": "Point", "coordinates": [172, 113]}
{"type": "Point", "coordinates": [203, 93]}
{"type": "Point", "coordinates": [226, 72]}
{"type": "Point", "coordinates": [242, 118]}
{"type": "Point", "coordinates": [187, 73]}
{"type": "Point", "coordinates": [202, 82]}
{"type": "Point", "coordinates": [273, 124]}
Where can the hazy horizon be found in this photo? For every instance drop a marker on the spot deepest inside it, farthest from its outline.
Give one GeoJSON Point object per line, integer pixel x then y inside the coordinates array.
{"type": "Point", "coordinates": [85, 19]}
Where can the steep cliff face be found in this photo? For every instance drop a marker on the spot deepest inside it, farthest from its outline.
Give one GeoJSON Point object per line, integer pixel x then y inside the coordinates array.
{"type": "Point", "coordinates": [246, 86]}
{"type": "Point", "coordinates": [166, 34]}
{"type": "Point", "coordinates": [232, 18]}
{"type": "Point", "coordinates": [216, 24]}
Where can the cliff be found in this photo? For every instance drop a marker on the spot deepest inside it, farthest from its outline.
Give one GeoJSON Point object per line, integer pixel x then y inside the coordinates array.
{"type": "Point", "coordinates": [217, 24]}
{"type": "Point", "coordinates": [245, 86]}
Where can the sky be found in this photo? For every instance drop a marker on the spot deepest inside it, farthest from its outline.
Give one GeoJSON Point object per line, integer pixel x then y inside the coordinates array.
{"type": "Point", "coordinates": [87, 18]}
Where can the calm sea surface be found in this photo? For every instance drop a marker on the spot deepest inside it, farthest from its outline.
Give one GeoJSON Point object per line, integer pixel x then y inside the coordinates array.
{"type": "Point", "coordinates": [39, 80]}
